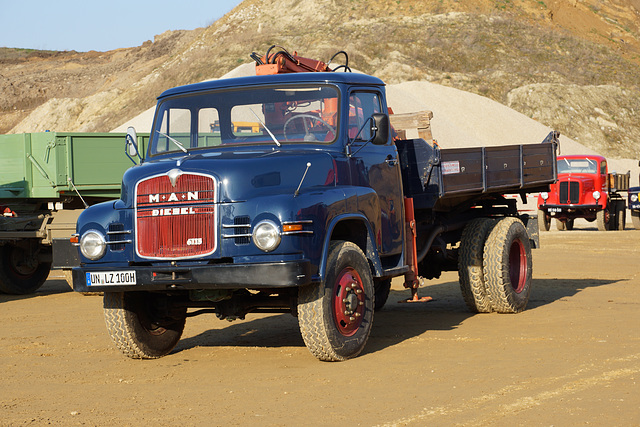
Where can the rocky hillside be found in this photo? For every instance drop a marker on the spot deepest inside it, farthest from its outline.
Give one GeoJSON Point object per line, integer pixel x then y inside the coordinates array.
{"type": "Point", "coordinates": [573, 65]}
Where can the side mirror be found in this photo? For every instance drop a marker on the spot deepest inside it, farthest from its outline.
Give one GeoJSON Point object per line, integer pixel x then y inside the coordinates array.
{"type": "Point", "coordinates": [131, 144]}
{"type": "Point", "coordinates": [379, 128]}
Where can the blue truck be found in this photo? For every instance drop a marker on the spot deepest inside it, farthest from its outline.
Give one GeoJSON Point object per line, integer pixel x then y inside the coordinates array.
{"type": "Point", "coordinates": [295, 193]}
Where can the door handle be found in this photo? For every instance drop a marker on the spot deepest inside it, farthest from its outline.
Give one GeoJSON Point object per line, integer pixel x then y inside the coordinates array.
{"type": "Point", "coordinates": [391, 161]}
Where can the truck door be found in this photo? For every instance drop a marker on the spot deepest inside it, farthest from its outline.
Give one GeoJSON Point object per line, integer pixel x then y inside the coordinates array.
{"type": "Point", "coordinates": [377, 167]}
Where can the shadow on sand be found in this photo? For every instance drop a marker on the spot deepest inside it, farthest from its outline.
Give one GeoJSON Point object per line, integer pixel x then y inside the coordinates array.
{"type": "Point", "coordinates": [446, 312]}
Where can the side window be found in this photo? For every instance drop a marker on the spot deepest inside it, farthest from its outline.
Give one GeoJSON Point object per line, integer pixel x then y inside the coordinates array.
{"type": "Point", "coordinates": [361, 106]}
{"type": "Point", "coordinates": [603, 167]}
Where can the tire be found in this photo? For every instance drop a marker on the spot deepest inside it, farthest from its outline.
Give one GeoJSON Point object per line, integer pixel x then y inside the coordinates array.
{"type": "Point", "coordinates": [382, 288]}
{"type": "Point", "coordinates": [140, 325]}
{"type": "Point", "coordinates": [470, 265]}
{"type": "Point", "coordinates": [635, 219]}
{"type": "Point", "coordinates": [569, 224]}
{"type": "Point", "coordinates": [20, 271]}
{"type": "Point", "coordinates": [621, 215]}
{"type": "Point", "coordinates": [603, 219]}
{"type": "Point", "coordinates": [335, 316]}
{"type": "Point", "coordinates": [561, 225]}
{"type": "Point", "coordinates": [544, 223]}
{"type": "Point", "coordinates": [508, 266]}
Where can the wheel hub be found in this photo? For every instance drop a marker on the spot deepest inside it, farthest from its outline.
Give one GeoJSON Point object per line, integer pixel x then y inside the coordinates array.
{"type": "Point", "coordinates": [348, 301]}
{"type": "Point", "coordinates": [518, 266]}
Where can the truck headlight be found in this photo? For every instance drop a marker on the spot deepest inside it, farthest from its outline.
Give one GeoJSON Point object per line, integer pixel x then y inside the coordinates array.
{"type": "Point", "coordinates": [596, 195]}
{"type": "Point", "coordinates": [93, 245]}
{"type": "Point", "coordinates": [544, 195]}
{"type": "Point", "coordinates": [266, 235]}
{"type": "Point", "coordinates": [634, 198]}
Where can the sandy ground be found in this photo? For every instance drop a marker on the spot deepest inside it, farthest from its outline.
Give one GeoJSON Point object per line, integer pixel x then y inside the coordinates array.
{"type": "Point", "coordinates": [573, 358]}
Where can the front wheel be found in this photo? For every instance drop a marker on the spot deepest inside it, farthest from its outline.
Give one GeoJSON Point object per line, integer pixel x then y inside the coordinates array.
{"type": "Point", "coordinates": [544, 222]}
{"type": "Point", "coordinates": [603, 219]}
{"type": "Point", "coordinates": [507, 266]}
{"type": "Point", "coordinates": [635, 219]}
{"type": "Point", "coordinates": [143, 325]}
{"type": "Point", "coordinates": [335, 316]}
{"type": "Point", "coordinates": [382, 290]}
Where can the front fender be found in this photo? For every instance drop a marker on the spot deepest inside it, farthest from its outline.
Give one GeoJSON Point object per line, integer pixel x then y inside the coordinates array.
{"type": "Point", "coordinates": [370, 250]}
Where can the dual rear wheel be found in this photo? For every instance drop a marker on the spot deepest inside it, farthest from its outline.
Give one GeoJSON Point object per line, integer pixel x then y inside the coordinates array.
{"type": "Point", "coordinates": [495, 265]}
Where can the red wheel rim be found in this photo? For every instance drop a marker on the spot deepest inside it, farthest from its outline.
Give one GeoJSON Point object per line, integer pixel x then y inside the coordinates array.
{"type": "Point", "coordinates": [348, 302]}
{"type": "Point", "coordinates": [518, 266]}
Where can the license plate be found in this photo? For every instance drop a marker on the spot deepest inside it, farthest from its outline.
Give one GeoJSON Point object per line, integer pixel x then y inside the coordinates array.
{"type": "Point", "coordinates": [111, 278]}
{"type": "Point", "coordinates": [555, 209]}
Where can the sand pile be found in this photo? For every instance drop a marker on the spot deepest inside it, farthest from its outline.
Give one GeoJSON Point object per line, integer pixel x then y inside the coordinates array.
{"type": "Point", "coordinates": [460, 119]}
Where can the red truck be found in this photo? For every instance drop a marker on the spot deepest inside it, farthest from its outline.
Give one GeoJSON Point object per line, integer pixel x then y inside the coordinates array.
{"type": "Point", "coordinates": [585, 189]}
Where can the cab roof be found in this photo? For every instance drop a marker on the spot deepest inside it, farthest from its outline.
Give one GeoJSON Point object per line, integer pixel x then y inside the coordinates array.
{"type": "Point", "coordinates": [290, 78]}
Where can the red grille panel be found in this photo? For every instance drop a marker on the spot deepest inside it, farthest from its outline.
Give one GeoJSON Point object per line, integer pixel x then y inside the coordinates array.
{"type": "Point", "coordinates": [176, 221]}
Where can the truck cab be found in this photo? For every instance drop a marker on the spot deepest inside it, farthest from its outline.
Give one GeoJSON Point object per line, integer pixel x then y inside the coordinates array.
{"type": "Point", "coordinates": [247, 183]}
{"type": "Point", "coordinates": [585, 189]}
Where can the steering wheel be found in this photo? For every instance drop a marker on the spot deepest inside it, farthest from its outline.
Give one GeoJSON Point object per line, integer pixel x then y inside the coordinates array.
{"type": "Point", "coordinates": [308, 136]}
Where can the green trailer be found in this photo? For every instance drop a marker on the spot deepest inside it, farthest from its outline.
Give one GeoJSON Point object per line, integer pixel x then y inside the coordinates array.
{"type": "Point", "coordinates": [46, 180]}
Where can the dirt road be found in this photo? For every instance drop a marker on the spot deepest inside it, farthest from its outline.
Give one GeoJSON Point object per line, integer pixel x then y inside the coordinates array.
{"type": "Point", "coordinates": [572, 358]}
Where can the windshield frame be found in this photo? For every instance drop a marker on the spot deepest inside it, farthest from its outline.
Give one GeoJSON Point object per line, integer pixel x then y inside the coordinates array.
{"type": "Point", "coordinates": [222, 101]}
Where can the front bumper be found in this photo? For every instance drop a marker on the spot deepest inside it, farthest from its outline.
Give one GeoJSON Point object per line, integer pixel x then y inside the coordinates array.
{"type": "Point", "coordinates": [571, 211]}
{"type": "Point", "coordinates": [219, 276]}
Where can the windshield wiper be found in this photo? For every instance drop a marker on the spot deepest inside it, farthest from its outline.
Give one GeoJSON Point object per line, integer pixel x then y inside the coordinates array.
{"type": "Point", "coordinates": [266, 128]}
{"type": "Point", "coordinates": [175, 141]}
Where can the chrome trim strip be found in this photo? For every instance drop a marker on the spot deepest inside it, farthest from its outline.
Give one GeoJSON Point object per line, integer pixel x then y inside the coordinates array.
{"type": "Point", "coordinates": [109, 233]}
{"type": "Point", "coordinates": [119, 242]}
{"type": "Point", "coordinates": [231, 236]}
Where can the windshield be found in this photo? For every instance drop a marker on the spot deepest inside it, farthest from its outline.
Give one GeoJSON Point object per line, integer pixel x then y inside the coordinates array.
{"type": "Point", "coordinates": [577, 166]}
{"type": "Point", "coordinates": [264, 115]}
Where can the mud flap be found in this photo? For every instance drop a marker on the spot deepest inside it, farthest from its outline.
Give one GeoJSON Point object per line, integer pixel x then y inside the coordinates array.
{"type": "Point", "coordinates": [531, 224]}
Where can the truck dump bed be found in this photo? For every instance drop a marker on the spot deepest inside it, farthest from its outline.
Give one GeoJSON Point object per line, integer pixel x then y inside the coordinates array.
{"type": "Point", "coordinates": [434, 177]}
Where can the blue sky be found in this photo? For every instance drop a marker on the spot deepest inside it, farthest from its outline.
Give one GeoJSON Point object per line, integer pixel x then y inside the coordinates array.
{"type": "Point", "coordinates": [100, 25]}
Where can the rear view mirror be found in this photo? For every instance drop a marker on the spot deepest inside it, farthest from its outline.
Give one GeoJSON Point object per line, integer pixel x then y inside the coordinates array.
{"type": "Point", "coordinates": [379, 128]}
{"type": "Point", "coordinates": [131, 144]}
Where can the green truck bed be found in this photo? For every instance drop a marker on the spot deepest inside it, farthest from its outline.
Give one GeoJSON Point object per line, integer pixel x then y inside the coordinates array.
{"type": "Point", "coordinates": [38, 165]}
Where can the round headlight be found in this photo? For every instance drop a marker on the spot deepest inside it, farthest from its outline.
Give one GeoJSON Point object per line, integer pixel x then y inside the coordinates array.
{"type": "Point", "coordinates": [544, 195]}
{"type": "Point", "coordinates": [266, 235]}
{"type": "Point", "coordinates": [93, 245]}
{"type": "Point", "coordinates": [634, 198]}
{"type": "Point", "coordinates": [596, 195]}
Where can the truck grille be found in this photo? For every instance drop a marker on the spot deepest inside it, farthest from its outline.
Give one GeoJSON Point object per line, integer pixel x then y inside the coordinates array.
{"type": "Point", "coordinates": [569, 192]}
{"type": "Point", "coordinates": [176, 215]}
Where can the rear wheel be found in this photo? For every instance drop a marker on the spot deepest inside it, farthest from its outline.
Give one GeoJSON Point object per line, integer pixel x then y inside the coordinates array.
{"type": "Point", "coordinates": [21, 270]}
{"type": "Point", "coordinates": [544, 222]}
{"type": "Point", "coordinates": [143, 325]}
{"type": "Point", "coordinates": [621, 214]}
{"type": "Point", "coordinates": [470, 265]}
{"type": "Point", "coordinates": [335, 316]}
{"type": "Point", "coordinates": [507, 266]}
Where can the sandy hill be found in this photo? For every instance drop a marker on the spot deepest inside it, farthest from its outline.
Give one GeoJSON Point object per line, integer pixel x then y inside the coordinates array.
{"type": "Point", "coordinates": [461, 119]}
{"type": "Point", "coordinates": [573, 65]}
